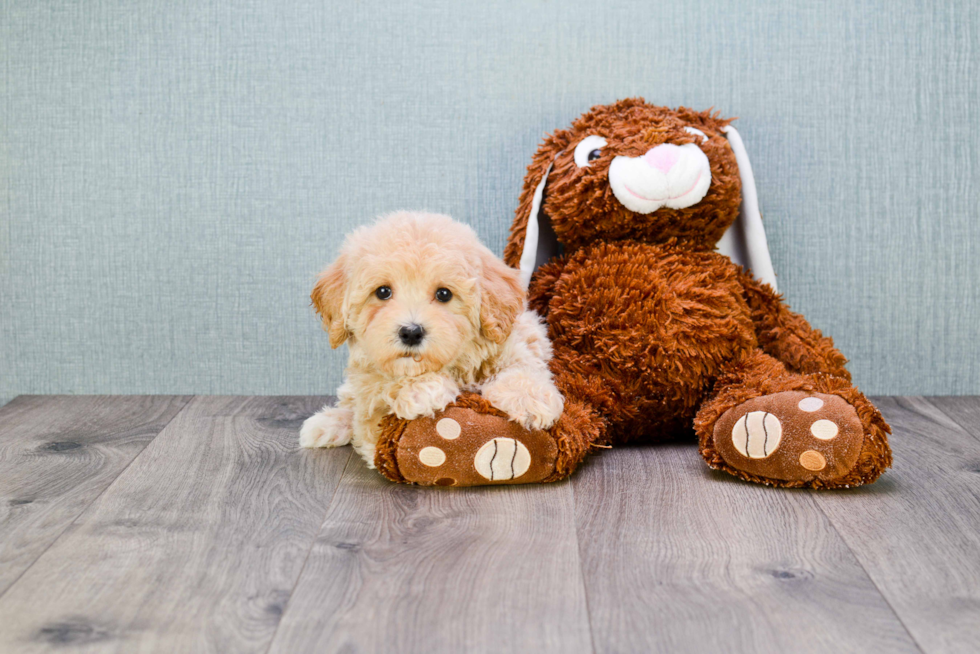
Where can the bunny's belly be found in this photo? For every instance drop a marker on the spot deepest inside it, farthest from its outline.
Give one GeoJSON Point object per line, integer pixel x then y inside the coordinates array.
{"type": "Point", "coordinates": [641, 332]}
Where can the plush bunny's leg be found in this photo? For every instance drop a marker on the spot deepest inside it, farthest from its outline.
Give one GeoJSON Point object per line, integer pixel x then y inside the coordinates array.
{"type": "Point", "coordinates": [787, 336]}
{"type": "Point", "coordinates": [472, 443]}
{"type": "Point", "coordinates": [768, 425]}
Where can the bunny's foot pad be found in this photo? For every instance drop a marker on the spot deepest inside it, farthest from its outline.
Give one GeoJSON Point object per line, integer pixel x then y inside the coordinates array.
{"type": "Point", "coordinates": [791, 436]}
{"type": "Point", "coordinates": [463, 447]}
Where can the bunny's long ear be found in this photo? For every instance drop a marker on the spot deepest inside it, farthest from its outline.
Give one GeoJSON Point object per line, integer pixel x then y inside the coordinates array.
{"type": "Point", "coordinates": [745, 241]}
{"type": "Point", "coordinates": [532, 240]}
{"type": "Point", "coordinates": [540, 241]}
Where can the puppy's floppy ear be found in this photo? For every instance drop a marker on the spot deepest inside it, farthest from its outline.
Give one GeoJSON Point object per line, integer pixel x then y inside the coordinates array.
{"type": "Point", "coordinates": [501, 298]}
{"type": "Point", "coordinates": [328, 299]}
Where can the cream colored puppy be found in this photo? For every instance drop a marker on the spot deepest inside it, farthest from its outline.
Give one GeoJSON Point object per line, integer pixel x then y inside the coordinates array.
{"type": "Point", "coordinates": [426, 311]}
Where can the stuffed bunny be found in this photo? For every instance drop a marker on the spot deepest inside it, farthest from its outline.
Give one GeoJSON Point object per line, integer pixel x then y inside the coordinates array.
{"type": "Point", "coordinates": [630, 232]}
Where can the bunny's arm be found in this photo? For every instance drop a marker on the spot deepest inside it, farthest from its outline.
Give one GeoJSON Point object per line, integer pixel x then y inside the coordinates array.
{"type": "Point", "coordinates": [543, 285]}
{"type": "Point", "coordinates": [788, 336]}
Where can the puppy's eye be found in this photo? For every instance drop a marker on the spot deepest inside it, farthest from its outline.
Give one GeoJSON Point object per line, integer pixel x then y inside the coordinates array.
{"type": "Point", "coordinates": [383, 292]}
{"type": "Point", "coordinates": [444, 295]}
{"type": "Point", "coordinates": [588, 150]}
{"type": "Point", "coordinates": [697, 132]}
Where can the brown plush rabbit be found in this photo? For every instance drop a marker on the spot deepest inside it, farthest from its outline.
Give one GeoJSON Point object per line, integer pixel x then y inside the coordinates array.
{"type": "Point", "coordinates": [656, 334]}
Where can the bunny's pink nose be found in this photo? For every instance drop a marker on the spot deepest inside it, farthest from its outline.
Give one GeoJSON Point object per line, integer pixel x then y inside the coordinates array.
{"type": "Point", "coordinates": [663, 157]}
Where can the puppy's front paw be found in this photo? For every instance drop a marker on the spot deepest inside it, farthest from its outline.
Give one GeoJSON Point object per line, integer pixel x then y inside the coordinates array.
{"type": "Point", "coordinates": [530, 400]}
{"type": "Point", "coordinates": [424, 396]}
{"type": "Point", "coordinates": [330, 427]}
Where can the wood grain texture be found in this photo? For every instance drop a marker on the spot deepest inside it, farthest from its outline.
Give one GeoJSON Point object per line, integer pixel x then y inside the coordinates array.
{"type": "Point", "coordinates": [195, 547]}
{"type": "Point", "coordinates": [407, 569]}
{"type": "Point", "coordinates": [219, 534]}
{"type": "Point", "coordinates": [677, 558]}
{"type": "Point", "coordinates": [917, 530]}
{"type": "Point", "coordinates": [964, 410]}
{"type": "Point", "coordinates": [57, 454]}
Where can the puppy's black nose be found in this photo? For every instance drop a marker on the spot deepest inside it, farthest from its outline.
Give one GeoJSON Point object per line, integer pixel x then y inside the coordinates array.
{"type": "Point", "coordinates": [411, 335]}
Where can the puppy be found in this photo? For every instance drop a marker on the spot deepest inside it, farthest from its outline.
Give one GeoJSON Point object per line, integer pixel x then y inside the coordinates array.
{"type": "Point", "coordinates": [426, 310]}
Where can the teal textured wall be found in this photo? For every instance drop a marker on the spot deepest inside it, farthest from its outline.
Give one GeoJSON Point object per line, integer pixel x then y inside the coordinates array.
{"type": "Point", "coordinates": [174, 173]}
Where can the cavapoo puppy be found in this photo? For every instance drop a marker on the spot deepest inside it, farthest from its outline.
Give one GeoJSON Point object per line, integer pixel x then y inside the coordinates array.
{"type": "Point", "coordinates": [427, 311]}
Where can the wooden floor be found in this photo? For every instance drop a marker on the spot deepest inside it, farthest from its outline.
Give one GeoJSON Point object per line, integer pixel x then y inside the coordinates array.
{"type": "Point", "coordinates": [182, 524]}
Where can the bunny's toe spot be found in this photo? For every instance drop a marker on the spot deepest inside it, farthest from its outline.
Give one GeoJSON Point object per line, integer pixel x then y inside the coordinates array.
{"type": "Point", "coordinates": [813, 460]}
{"type": "Point", "coordinates": [432, 457]}
{"type": "Point", "coordinates": [448, 429]}
{"type": "Point", "coordinates": [810, 404]}
{"type": "Point", "coordinates": [825, 430]}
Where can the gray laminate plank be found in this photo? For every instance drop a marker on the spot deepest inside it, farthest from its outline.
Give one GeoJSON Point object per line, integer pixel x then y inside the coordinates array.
{"type": "Point", "coordinates": [195, 547]}
{"type": "Point", "coordinates": [678, 558]}
{"type": "Point", "coordinates": [917, 530]}
{"type": "Point", "coordinates": [406, 569]}
{"type": "Point", "coordinates": [963, 409]}
{"type": "Point", "coordinates": [57, 454]}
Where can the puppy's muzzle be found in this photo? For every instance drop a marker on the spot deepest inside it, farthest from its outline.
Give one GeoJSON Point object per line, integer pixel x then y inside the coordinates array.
{"type": "Point", "coordinates": [411, 335]}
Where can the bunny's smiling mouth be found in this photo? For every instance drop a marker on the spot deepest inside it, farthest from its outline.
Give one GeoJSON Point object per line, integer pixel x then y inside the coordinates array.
{"type": "Point", "coordinates": [672, 197]}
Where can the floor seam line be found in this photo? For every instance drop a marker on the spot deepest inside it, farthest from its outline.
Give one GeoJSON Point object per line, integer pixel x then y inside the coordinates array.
{"type": "Point", "coordinates": [945, 413]}
{"type": "Point", "coordinates": [867, 574]}
{"type": "Point", "coordinates": [309, 552]}
{"type": "Point", "coordinates": [581, 569]}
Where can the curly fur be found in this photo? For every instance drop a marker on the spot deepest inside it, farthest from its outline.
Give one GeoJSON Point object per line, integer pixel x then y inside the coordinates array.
{"type": "Point", "coordinates": [655, 336]}
{"type": "Point", "coordinates": [482, 339]}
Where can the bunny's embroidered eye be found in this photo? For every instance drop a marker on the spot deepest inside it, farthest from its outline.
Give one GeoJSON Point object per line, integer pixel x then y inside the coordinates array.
{"type": "Point", "coordinates": [697, 132]}
{"type": "Point", "coordinates": [588, 150]}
